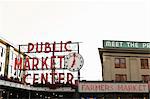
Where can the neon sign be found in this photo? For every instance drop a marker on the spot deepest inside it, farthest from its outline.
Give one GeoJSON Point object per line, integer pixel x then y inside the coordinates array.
{"type": "Point", "coordinates": [51, 62]}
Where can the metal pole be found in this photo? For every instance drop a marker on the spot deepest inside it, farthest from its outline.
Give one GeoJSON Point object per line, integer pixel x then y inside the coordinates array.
{"type": "Point", "coordinates": [17, 96]}
{"type": "Point", "coordinates": [29, 94]}
{"type": "Point", "coordinates": [19, 59]}
{"type": "Point", "coordinates": [7, 94]}
{"type": "Point", "coordinates": [114, 95]}
{"type": "Point", "coordinates": [77, 93]}
{"type": "Point", "coordinates": [1, 94]}
{"type": "Point", "coordinates": [53, 66]}
{"type": "Point", "coordinates": [78, 70]}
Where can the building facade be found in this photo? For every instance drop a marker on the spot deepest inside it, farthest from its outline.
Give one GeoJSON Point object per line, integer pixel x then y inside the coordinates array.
{"type": "Point", "coordinates": [7, 60]}
{"type": "Point", "coordinates": [125, 64]}
{"type": "Point", "coordinates": [125, 72]}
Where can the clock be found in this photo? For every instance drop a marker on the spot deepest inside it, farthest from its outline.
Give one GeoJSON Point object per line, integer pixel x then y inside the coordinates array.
{"type": "Point", "coordinates": [73, 61]}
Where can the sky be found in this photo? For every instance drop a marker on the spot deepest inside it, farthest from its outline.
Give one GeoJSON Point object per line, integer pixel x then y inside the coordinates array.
{"type": "Point", "coordinates": [86, 21]}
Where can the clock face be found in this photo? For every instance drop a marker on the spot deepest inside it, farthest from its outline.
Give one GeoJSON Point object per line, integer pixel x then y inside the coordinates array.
{"type": "Point", "coordinates": [73, 61]}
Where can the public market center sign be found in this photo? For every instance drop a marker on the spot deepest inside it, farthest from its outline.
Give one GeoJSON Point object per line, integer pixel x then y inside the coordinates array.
{"type": "Point", "coordinates": [52, 61]}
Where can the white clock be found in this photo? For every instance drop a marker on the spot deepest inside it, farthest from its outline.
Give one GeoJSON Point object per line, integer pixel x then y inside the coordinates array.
{"type": "Point", "coordinates": [73, 61]}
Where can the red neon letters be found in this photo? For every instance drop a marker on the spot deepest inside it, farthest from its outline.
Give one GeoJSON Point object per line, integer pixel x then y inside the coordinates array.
{"type": "Point", "coordinates": [45, 63]}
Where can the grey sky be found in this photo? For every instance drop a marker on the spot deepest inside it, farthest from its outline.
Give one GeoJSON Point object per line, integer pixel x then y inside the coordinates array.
{"type": "Point", "coordinates": [87, 21]}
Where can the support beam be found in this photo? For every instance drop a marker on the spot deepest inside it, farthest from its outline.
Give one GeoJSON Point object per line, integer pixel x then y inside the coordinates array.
{"type": "Point", "coordinates": [7, 60]}
{"type": "Point", "coordinates": [29, 94]}
{"type": "Point", "coordinates": [7, 92]}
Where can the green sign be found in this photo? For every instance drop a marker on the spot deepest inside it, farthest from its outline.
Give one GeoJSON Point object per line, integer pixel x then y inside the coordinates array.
{"type": "Point", "coordinates": [125, 44]}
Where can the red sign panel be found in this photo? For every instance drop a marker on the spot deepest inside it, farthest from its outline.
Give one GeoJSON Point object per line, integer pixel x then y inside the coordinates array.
{"type": "Point", "coordinates": [87, 87]}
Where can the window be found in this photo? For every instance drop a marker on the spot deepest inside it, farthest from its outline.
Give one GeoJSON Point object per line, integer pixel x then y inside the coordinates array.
{"type": "Point", "coordinates": [1, 65]}
{"type": "Point", "coordinates": [144, 64]}
{"type": "Point", "coordinates": [11, 68]}
{"type": "Point", "coordinates": [145, 77]}
{"type": "Point", "coordinates": [12, 54]}
{"type": "Point", "coordinates": [2, 50]}
{"type": "Point", "coordinates": [121, 77]}
{"type": "Point", "coordinates": [120, 63]}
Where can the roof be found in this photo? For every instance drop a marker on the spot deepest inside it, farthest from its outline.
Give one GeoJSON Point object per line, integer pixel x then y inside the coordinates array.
{"type": "Point", "coordinates": [123, 50]}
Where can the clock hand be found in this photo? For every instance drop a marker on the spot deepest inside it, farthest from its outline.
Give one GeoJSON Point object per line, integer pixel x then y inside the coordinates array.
{"type": "Point", "coordinates": [73, 60]}
{"type": "Point", "coordinates": [73, 63]}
